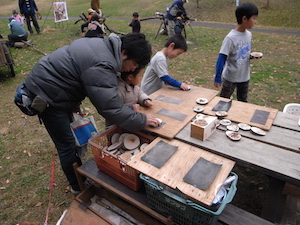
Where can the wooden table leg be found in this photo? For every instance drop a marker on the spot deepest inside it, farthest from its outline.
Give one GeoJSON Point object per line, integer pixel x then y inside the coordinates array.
{"type": "Point", "coordinates": [79, 177]}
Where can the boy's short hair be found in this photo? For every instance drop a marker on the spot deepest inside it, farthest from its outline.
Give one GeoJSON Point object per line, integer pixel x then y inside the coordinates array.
{"type": "Point", "coordinates": [245, 9]}
{"type": "Point", "coordinates": [137, 48]}
{"type": "Point", "coordinates": [178, 40]}
{"type": "Point", "coordinates": [135, 14]}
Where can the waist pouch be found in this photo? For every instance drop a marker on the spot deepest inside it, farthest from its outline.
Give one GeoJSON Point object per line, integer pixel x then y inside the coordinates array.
{"type": "Point", "coordinates": [29, 104]}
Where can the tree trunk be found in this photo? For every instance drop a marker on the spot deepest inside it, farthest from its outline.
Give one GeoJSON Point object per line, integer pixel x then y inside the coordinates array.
{"type": "Point", "coordinates": [267, 5]}
{"type": "Point", "coordinates": [95, 5]}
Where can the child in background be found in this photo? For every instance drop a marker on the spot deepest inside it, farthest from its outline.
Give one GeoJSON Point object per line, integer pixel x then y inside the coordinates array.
{"type": "Point", "coordinates": [129, 91]}
{"type": "Point", "coordinates": [95, 28]}
{"type": "Point", "coordinates": [235, 55]}
{"type": "Point", "coordinates": [89, 18]}
{"type": "Point", "coordinates": [17, 17]}
{"type": "Point", "coordinates": [135, 23]}
{"type": "Point", "coordinates": [179, 24]}
{"type": "Point", "coordinates": [157, 71]}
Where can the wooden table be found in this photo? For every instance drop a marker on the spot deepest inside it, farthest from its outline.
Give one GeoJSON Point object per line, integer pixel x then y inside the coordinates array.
{"type": "Point", "coordinates": [276, 154]}
{"type": "Point", "coordinates": [254, 115]}
{"type": "Point", "coordinates": [175, 108]}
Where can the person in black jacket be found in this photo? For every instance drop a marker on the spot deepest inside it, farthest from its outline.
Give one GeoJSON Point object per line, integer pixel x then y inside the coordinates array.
{"type": "Point", "coordinates": [135, 23]}
{"type": "Point", "coordinates": [179, 24]}
{"type": "Point", "coordinates": [28, 8]}
{"type": "Point", "coordinates": [87, 67]}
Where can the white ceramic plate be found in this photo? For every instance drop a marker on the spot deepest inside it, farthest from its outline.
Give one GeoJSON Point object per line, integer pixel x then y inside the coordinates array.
{"type": "Point", "coordinates": [131, 141]}
{"type": "Point", "coordinates": [126, 156]}
{"type": "Point", "coordinates": [202, 101]}
{"type": "Point", "coordinates": [143, 146]}
{"type": "Point", "coordinates": [115, 138]}
{"type": "Point", "coordinates": [257, 55]}
{"type": "Point", "coordinates": [258, 131]}
{"type": "Point", "coordinates": [200, 122]}
{"type": "Point", "coordinates": [235, 136]}
{"type": "Point", "coordinates": [221, 113]}
{"type": "Point", "coordinates": [244, 126]}
{"type": "Point", "coordinates": [198, 109]}
{"type": "Point", "coordinates": [225, 122]}
{"type": "Point", "coordinates": [122, 136]}
{"type": "Point", "coordinates": [233, 127]}
{"type": "Point", "coordinates": [114, 146]}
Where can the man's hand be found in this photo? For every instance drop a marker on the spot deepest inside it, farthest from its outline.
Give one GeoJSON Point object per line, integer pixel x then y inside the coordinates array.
{"type": "Point", "coordinates": [152, 121]}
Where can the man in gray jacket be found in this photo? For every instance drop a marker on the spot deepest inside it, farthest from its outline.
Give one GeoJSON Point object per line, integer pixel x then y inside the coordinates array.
{"type": "Point", "coordinates": [87, 68]}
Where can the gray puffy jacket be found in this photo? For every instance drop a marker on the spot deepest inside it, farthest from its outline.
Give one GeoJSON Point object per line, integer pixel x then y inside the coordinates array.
{"type": "Point", "coordinates": [86, 67]}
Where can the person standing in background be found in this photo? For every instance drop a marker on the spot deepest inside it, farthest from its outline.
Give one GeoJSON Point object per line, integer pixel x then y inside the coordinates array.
{"type": "Point", "coordinates": [176, 6]}
{"type": "Point", "coordinates": [135, 23]}
{"type": "Point", "coordinates": [28, 8]}
{"type": "Point", "coordinates": [179, 24]}
{"type": "Point", "coordinates": [233, 63]}
{"type": "Point", "coordinates": [17, 17]}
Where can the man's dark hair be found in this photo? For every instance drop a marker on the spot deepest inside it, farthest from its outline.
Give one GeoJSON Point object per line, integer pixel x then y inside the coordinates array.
{"type": "Point", "coordinates": [178, 40]}
{"type": "Point", "coordinates": [246, 9]}
{"type": "Point", "coordinates": [135, 14]}
{"type": "Point", "coordinates": [137, 48]}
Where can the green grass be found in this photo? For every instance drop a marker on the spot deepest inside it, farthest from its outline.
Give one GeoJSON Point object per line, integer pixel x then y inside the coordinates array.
{"type": "Point", "coordinates": [25, 147]}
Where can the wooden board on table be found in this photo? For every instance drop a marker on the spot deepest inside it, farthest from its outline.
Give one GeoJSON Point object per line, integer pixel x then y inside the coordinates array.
{"type": "Point", "coordinates": [188, 98]}
{"type": "Point", "coordinates": [242, 112]}
{"type": "Point", "coordinates": [175, 108]}
{"type": "Point", "coordinates": [179, 164]}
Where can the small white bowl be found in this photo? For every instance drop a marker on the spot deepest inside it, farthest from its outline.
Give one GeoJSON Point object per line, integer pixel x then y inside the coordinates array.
{"type": "Point", "coordinates": [257, 55]}
{"type": "Point", "coordinates": [202, 101]}
{"type": "Point", "coordinates": [198, 109]}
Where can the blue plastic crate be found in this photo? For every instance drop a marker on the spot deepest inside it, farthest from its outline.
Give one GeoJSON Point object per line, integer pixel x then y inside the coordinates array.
{"type": "Point", "coordinates": [182, 210]}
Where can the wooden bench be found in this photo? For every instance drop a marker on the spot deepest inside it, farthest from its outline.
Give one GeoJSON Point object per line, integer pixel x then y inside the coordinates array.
{"type": "Point", "coordinates": [233, 215]}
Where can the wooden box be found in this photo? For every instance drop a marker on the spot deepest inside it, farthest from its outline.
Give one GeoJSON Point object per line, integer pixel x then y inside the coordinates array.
{"type": "Point", "coordinates": [202, 127]}
{"type": "Point", "coordinates": [112, 164]}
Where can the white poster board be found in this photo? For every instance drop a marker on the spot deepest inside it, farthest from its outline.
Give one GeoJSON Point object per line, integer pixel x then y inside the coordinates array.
{"type": "Point", "coordinates": [60, 11]}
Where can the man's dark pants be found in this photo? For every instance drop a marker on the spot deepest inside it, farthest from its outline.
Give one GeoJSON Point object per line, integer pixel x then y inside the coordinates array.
{"type": "Point", "coordinates": [57, 123]}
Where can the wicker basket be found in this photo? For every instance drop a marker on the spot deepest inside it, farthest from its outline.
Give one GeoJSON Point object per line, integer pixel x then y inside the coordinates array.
{"type": "Point", "coordinates": [112, 164]}
{"type": "Point", "coordinates": [183, 210]}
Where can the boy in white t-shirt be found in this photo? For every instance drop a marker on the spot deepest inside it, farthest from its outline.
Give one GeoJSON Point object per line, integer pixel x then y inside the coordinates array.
{"type": "Point", "coordinates": [233, 64]}
{"type": "Point", "coordinates": [156, 74]}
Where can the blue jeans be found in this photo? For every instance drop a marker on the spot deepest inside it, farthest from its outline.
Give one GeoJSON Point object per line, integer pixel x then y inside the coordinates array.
{"type": "Point", "coordinates": [57, 123]}
{"type": "Point", "coordinates": [241, 90]}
